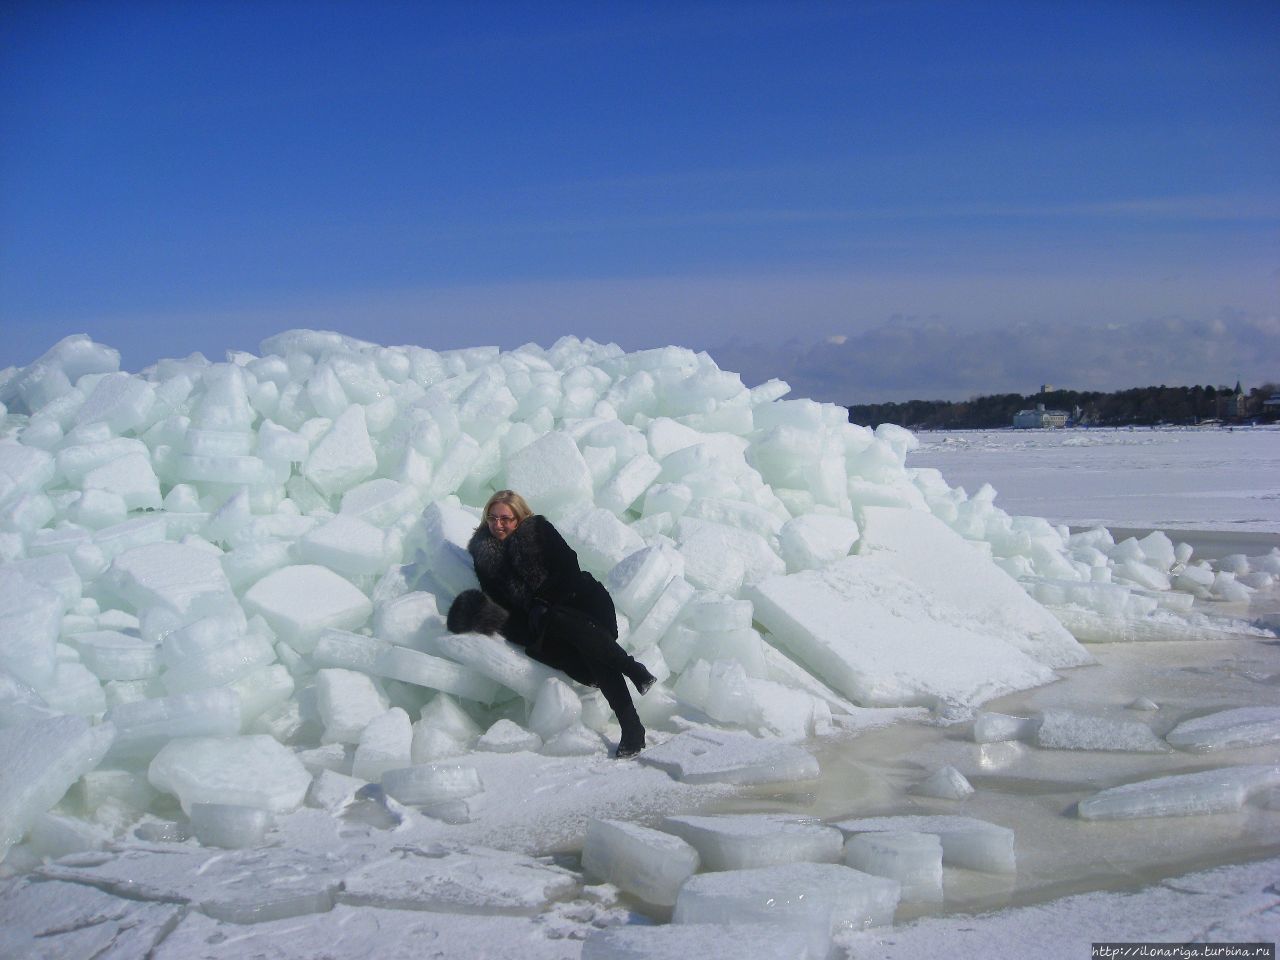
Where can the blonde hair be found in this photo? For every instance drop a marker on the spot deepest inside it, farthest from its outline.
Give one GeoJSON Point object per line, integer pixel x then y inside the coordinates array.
{"type": "Point", "coordinates": [513, 500]}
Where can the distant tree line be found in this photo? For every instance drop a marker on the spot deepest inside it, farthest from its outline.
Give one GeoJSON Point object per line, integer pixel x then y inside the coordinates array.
{"type": "Point", "coordinates": [1137, 406]}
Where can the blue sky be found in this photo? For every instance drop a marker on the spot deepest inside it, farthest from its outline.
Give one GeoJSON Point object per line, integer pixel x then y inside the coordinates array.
{"type": "Point", "coordinates": [873, 200]}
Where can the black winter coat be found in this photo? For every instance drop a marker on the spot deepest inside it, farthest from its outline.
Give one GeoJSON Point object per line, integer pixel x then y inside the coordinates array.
{"type": "Point", "coordinates": [522, 578]}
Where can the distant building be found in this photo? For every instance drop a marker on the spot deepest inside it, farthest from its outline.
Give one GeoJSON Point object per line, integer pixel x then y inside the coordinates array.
{"type": "Point", "coordinates": [1040, 418]}
{"type": "Point", "coordinates": [1271, 407]}
{"type": "Point", "coordinates": [1232, 405]}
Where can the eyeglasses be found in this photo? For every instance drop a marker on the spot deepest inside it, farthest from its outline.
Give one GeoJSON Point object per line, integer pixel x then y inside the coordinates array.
{"type": "Point", "coordinates": [500, 521]}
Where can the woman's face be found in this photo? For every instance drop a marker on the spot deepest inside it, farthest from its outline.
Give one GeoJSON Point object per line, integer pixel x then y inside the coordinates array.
{"type": "Point", "coordinates": [501, 520]}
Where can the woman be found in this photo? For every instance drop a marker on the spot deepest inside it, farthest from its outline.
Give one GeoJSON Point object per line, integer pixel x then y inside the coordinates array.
{"type": "Point", "coordinates": [534, 594]}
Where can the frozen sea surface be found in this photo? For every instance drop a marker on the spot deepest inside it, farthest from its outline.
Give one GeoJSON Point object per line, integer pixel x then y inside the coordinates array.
{"type": "Point", "coordinates": [1165, 479]}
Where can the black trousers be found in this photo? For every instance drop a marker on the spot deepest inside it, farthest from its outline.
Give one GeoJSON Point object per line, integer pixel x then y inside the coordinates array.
{"type": "Point", "coordinates": [588, 651]}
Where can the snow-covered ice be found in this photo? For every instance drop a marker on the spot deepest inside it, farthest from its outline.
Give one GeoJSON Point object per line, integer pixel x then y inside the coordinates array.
{"type": "Point", "coordinates": [232, 720]}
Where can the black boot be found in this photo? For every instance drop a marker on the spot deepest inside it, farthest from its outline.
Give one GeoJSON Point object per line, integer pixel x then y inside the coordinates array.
{"type": "Point", "coordinates": [616, 695]}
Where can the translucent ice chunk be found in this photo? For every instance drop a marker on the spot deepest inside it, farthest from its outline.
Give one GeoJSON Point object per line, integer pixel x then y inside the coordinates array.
{"type": "Point", "coordinates": [1181, 795]}
{"type": "Point", "coordinates": [966, 842]}
{"type": "Point", "coordinates": [426, 783]}
{"type": "Point", "coordinates": [945, 783]}
{"type": "Point", "coordinates": [721, 756]}
{"type": "Point", "coordinates": [737, 842]}
{"type": "Point", "coordinates": [913, 859]}
{"type": "Point", "coordinates": [301, 601]}
{"type": "Point", "coordinates": [385, 744]}
{"type": "Point", "coordinates": [1226, 729]}
{"type": "Point", "coordinates": [646, 863]}
{"type": "Point", "coordinates": [817, 900]}
{"type": "Point", "coordinates": [347, 702]}
{"type": "Point", "coordinates": [41, 760]}
{"type": "Point", "coordinates": [254, 771]}
{"type": "Point", "coordinates": [143, 727]}
{"type": "Point", "coordinates": [229, 825]}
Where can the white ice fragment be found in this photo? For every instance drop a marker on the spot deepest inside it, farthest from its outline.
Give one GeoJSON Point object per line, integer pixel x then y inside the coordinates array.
{"type": "Point", "coordinates": [30, 618]}
{"type": "Point", "coordinates": [302, 600]}
{"type": "Point", "coordinates": [385, 744]}
{"type": "Point", "coordinates": [429, 783]}
{"type": "Point", "coordinates": [145, 726]}
{"type": "Point", "coordinates": [817, 900]}
{"type": "Point", "coordinates": [252, 771]}
{"type": "Point", "coordinates": [348, 545]}
{"type": "Point", "coordinates": [23, 470]}
{"type": "Point", "coordinates": [1067, 730]}
{"type": "Point", "coordinates": [129, 477]}
{"type": "Point", "coordinates": [966, 842]}
{"type": "Point", "coordinates": [442, 712]}
{"type": "Point", "coordinates": [814, 540]}
{"type": "Point", "coordinates": [661, 615]}
{"type": "Point", "coordinates": [507, 736]}
{"type": "Point", "coordinates": [945, 783]}
{"type": "Point", "coordinates": [183, 579]}
{"type": "Point", "coordinates": [340, 648]}
{"type": "Point", "coordinates": [600, 538]}
{"type": "Point", "coordinates": [229, 825]}
{"type": "Point", "coordinates": [53, 836]}
{"type": "Point", "coordinates": [554, 709]}
{"type": "Point", "coordinates": [1227, 729]}
{"type": "Point", "coordinates": [113, 655]}
{"type": "Point", "coordinates": [496, 659]}
{"type": "Point", "coordinates": [347, 702]}
{"type": "Point", "coordinates": [410, 620]}
{"type": "Point", "coordinates": [913, 859]}
{"type": "Point", "coordinates": [1144, 703]}
{"type": "Point", "coordinates": [551, 473]}
{"type": "Point", "coordinates": [1181, 795]}
{"type": "Point", "coordinates": [644, 862]}
{"type": "Point", "coordinates": [574, 741]}
{"type": "Point", "coordinates": [332, 791]}
{"type": "Point", "coordinates": [722, 756]}
{"type": "Point", "coordinates": [41, 760]}
{"type": "Point", "coordinates": [637, 581]}
{"type": "Point", "coordinates": [743, 841]}
{"type": "Point", "coordinates": [344, 456]}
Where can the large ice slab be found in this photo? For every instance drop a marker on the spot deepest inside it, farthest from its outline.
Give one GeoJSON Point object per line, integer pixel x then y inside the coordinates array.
{"type": "Point", "coordinates": [817, 900]}
{"type": "Point", "coordinates": [744, 841]}
{"type": "Point", "coordinates": [1181, 795]}
{"type": "Point", "coordinates": [721, 756]}
{"type": "Point", "coordinates": [41, 760]}
{"type": "Point", "coordinates": [925, 550]}
{"type": "Point", "coordinates": [882, 639]}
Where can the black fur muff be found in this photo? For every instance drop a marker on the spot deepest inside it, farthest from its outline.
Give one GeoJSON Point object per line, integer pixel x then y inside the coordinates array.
{"type": "Point", "coordinates": [473, 612]}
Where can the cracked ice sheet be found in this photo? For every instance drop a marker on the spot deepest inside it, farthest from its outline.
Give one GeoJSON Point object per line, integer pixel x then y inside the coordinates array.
{"type": "Point", "coordinates": [54, 919]}
{"type": "Point", "coordinates": [369, 931]}
{"type": "Point", "coordinates": [1238, 903]}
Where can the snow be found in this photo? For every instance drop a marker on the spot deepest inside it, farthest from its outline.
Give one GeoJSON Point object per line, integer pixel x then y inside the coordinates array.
{"type": "Point", "coordinates": [221, 598]}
